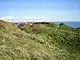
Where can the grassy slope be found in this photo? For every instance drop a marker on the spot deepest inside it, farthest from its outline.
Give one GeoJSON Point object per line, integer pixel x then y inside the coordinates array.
{"type": "Point", "coordinates": [38, 42]}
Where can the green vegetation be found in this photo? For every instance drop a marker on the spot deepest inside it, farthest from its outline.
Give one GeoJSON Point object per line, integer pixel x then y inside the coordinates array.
{"type": "Point", "coordinates": [39, 42]}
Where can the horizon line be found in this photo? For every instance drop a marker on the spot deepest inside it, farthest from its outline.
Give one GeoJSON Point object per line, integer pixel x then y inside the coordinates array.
{"type": "Point", "coordinates": [42, 21]}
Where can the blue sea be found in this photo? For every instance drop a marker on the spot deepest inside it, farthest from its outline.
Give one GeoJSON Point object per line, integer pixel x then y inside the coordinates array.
{"type": "Point", "coordinates": [72, 24]}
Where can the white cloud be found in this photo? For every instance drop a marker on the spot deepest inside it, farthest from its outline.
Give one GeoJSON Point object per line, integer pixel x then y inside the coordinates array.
{"type": "Point", "coordinates": [32, 19]}
{"type": "Point", "coordinates": [7, 18]}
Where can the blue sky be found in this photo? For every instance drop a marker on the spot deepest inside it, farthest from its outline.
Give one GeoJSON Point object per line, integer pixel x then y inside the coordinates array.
{"type": "Point", "coordinates": [39, 9]}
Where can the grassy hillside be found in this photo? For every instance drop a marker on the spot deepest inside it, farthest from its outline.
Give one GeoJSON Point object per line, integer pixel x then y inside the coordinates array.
{"type": "Point", "coordinates": [31, 41]}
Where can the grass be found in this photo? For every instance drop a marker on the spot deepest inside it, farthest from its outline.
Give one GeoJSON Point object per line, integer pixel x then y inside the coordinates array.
{"type": "Point", "coordinates": [38, 42]}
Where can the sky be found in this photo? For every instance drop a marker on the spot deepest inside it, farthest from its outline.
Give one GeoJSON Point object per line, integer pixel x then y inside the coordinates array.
{"type": "Point", "coordinates": [41, 9]}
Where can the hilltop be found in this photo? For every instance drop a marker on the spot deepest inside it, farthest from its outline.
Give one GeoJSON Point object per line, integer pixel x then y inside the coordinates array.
{"type": "Point", "coordinates": [39, 41]}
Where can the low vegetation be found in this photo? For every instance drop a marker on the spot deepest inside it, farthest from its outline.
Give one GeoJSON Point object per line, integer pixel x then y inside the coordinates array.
{"type": "Point", "coordinates": [39, 41]}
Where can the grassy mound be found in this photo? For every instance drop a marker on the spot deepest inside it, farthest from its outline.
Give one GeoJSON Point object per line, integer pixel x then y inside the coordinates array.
{"type": "Point", "coordinates": [38, 42]}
